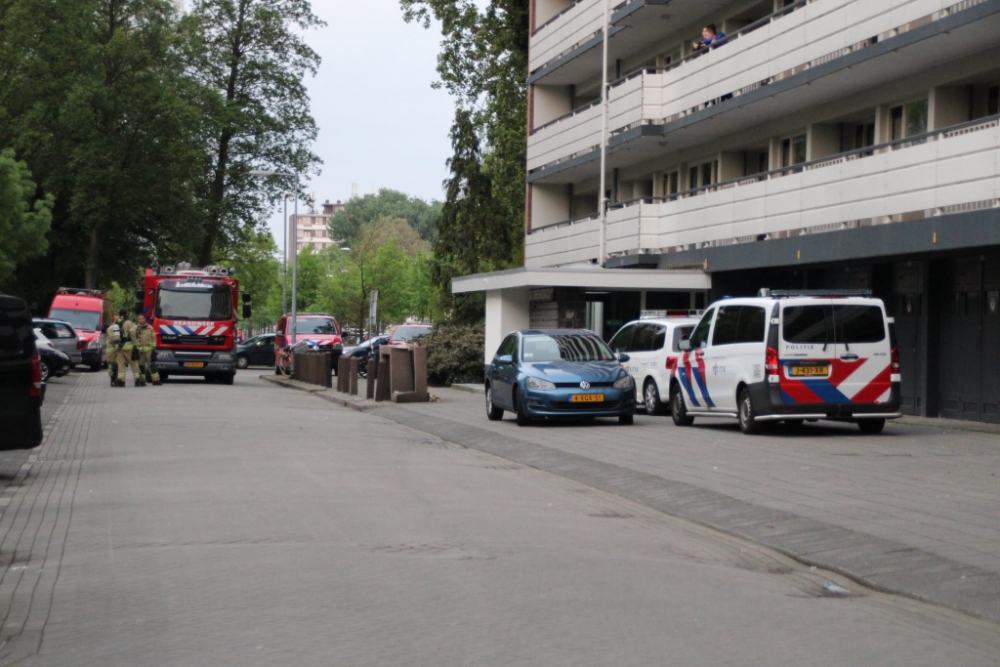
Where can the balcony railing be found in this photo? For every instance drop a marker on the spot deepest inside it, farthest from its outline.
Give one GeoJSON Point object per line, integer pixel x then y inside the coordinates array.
{"type": "Point", "coordinates": [565, 32]}
{"type": "Point", "coordinates": [750, 59]}
{"type": "Point", "coordinates": [807, 198]}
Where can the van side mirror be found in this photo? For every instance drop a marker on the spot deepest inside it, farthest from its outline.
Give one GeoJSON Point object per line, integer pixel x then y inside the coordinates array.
{"type": "Point", "coordinates": [247, 298]}
{"type": "Point", "coordinates": [685, 345]}
{"type": "Point", "coordinates": [247, 311]}
{"type": "Point", "coordinates": [139, 295]}
{"type": "Point", "coordinates": [623, 358]}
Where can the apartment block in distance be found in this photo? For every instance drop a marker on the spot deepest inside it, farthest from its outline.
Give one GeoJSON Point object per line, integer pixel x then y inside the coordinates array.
{"type": "Point", "coordinates": [312, 230]}
{"type": "Point", "coordinates": [848, 144]}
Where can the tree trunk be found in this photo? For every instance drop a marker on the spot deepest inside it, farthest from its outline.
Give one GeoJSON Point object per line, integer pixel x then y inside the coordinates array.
{"type": "Point", "coordinates": [93, 257]}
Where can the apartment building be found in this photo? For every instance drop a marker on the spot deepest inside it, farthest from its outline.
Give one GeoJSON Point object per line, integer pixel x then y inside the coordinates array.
{"type": "Point", "coordinates": [311, 229]}
{"type": "Point", "coordinates": [821, 144]}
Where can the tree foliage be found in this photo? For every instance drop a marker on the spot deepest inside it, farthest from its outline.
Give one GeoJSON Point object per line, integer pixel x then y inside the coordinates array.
{"type": "Point", "coordinates": [24, 220]}
{"type": "Point", "coordinates": [250, 61]}
{"type": "Point", "coordinates": [144, 124]}
{"type": "Point", "coordinates": [484, 64]}
{"type": "Point", "coordinates": [359, 211]}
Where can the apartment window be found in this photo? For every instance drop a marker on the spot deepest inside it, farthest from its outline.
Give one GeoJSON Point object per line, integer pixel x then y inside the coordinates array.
{"type": "Point", "coordinates": [671, 183]}
{"type": "Point", "coordinates": [993, 101]}
{"type": "Point", "coordinates": [693, 178]}
{"type": "Point", "coordinates": [909, 120]}
{"type": "Point", "coordinates": [793, 151]}
{"type": "Point", "coordinates": [864, 135]}
{"type": "Point", "coordinates": [896, 115]}
{"type": "Point", "coordinates": [705, 174]}
{"type": "Point", "coordinates": [708, 173]}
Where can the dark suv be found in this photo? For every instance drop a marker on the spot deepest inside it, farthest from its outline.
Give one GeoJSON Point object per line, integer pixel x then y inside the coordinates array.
{"type": "Point", "coordinates": [20, 378]}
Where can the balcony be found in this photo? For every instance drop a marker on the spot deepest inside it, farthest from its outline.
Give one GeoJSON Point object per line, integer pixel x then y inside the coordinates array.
{"type": "Point", "coordinates": [801, 37]}
{"type": "Point", "coordinates": [938, 173]}
{"type": "Point", "coordinates": [566, 32]}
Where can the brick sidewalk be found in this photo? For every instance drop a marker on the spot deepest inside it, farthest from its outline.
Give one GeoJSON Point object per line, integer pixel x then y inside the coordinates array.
{"type": "Point", "coordinates": [916, 510]}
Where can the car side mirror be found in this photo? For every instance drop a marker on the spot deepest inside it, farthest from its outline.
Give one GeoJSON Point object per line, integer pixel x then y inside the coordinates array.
{"type": "Point", "coordinates": [505, 359]}
{"type": "Point", "coordinates": [247, 311]}
{"type": "Point", "coordinates": [685, 345]}
{"type": "Point", "coordinates": [622, 357]}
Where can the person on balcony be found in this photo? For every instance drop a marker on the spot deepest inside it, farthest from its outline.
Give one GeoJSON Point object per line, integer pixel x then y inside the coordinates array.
{"type": "Point", "coordinates": [710, 38]}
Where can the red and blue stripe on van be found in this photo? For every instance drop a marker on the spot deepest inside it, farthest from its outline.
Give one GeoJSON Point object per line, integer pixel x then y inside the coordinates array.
{"type": "Point", "coordinates": [686, 373]}
{"type": "Point", "coordinates": [863, 381]}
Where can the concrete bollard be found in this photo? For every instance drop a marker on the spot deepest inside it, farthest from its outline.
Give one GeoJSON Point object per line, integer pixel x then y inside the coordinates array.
{"type": "Point", "coordinates": [409, 375]}
{"type": "Point", "coordinates": [372, 378]}
{"type": "Point", "coordinates": [382, 388]}
{"type": "Point", "coordinates": [353, 375]}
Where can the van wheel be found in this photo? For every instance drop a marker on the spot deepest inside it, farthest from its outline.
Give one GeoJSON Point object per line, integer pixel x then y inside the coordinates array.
{"type": "Point", "coordinates": [871, 426]}
{"type": "Point", "coordinates": [164, 377]}
{"type": "Point", "coordinates": [46, 370]}
{"type": "Point", "coordinates": [95, 367]}
{"type": "Point", "coordinates": [651, 398]}
{"type": "Point", "coordinates": [748, 418]}
{"type": "Point", "coordinates": [522, 419]}
{"type": "Point", "coordinates": [493, 413]}
{"type": "Point", "coordinates": [678, 410]}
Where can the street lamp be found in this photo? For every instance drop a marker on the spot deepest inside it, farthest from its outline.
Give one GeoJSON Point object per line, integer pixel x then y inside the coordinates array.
{"type": "Point", "coordinates": [260, 173]}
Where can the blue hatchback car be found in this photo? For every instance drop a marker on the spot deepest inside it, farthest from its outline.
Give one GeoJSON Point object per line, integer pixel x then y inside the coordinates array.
{"type": "Point", "coordinates": [558, 373]}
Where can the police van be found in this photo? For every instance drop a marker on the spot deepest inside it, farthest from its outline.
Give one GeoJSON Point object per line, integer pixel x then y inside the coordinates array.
{"type": "Point", "coordinates": [790, 356]}
{"type": "Point", "coordinates": [652, 344]}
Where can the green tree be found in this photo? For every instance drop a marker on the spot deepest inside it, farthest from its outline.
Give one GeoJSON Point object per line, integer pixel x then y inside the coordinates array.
{"type": "Point", "coordinates": [483, 63]}
{"type": "Point", "coordinates": [92, 95]}
{"type": "Point", "coordinates": [251, 60]}
{"type": "Point", "coordinates": [255, 258]}
{"type": "Point", "coordinates": [359, 211]}
{"type": "Point", "coordinates": [24, 220]}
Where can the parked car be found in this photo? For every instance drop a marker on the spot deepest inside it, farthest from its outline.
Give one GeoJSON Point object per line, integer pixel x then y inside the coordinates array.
{"type": "Point", "coordinates": [365, 351]}
{"type": "Point", "coordinates": [790, 356]}
{"type": "Point", "coordinates": [653, 347]}
{"type": "Point", "coordinates": [63, 336]}
{"type": "Point", "coordinates": [21, 385]}
{"type": "Point", "coordinates": [318, 327]}
{"type": "Point", "coordinates": [408, 333]}
{"type": "Point", "coordinates": [558, 373]}
{"type": "Point", "coordinates": [55, 363]}
{"type": "Point", "coordinates": [256, 351]}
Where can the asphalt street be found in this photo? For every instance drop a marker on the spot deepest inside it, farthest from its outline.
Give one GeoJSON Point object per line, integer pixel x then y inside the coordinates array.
{"type": "Point", "coordinates": [197, 524]}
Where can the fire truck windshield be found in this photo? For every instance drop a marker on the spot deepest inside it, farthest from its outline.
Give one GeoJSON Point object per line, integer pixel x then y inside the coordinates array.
{"type": "Point", "coordinates": [194, 302]}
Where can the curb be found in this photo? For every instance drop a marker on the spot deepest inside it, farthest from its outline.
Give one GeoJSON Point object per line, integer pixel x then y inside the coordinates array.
{"type": "Point", "coordinates": [328, 395]}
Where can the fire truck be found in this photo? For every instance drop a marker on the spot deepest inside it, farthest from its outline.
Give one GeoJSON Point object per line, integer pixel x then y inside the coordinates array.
{"type": "Point", "coordinates": [194, 314]}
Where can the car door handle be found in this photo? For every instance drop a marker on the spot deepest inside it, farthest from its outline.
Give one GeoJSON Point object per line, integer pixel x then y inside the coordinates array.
{"type": "Point", "coordinates": [849, 357]}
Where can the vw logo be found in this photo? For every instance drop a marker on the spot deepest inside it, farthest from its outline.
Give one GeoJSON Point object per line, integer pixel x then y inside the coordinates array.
{"type": "Point", "coordinates": [584, 385]}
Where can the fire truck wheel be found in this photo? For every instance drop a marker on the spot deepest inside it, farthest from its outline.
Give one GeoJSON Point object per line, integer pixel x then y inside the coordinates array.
{"type": "Point", "coordinates": [227, 379]}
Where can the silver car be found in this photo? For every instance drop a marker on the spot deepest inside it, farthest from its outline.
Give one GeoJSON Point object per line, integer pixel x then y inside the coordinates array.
{"type": "Point", "coordinates": [63, 337]}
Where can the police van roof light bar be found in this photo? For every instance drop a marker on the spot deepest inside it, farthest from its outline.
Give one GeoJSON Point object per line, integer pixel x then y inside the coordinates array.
{"type": "Point", "coordinates": [785, 293]}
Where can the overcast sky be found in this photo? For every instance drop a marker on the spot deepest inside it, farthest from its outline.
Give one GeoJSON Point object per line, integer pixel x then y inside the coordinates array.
{"type": "Point", "coordinates": [380, 122]}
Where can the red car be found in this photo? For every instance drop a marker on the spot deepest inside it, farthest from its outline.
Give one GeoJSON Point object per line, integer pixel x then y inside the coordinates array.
{"type": "Point", "coordinates": [318, 327]}
{"type": "Point", "coordinates": [407, 333]}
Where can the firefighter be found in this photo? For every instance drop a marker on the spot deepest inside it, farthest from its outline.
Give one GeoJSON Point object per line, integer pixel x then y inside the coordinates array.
{"type": "Point", "coordinates": [145, 341]}
{"type": "Point", "coordinates": [112, 336]}
{"type": "Point", "coordinates": [127, 352]}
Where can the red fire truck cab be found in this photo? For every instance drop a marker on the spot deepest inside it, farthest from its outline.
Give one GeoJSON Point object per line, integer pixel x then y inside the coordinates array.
{"type": "Point", "coordinates": [194, 314]}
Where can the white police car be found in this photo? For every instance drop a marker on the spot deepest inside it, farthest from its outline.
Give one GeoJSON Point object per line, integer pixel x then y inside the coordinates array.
{"type": "Point", "coordinates": [790, 356]}
{"type": "Point", "coordinates": [653, 347]}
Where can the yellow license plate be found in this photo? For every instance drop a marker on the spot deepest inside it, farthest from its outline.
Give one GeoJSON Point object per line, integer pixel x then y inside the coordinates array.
{"type": "Point", "coordinates": [810, 371]}
{"type": "Point", "coordinates": [194, 364]}
{"type": "Point", "coordinates": [587, 398]}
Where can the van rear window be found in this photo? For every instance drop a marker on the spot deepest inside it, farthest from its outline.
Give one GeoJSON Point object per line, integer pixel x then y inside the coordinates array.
{"type": "Point", "coordinates": [15, 330]}
{"type": "Point", "coordinates": [833, 324]}
{"type": "Point", "coordinates": [802, 325]}
{"type": "Point", "coordinates": [859, 324]}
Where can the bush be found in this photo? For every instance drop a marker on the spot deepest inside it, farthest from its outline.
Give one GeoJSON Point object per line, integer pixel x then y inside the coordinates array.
{"type": "Point", "coordinates": [455, 354]}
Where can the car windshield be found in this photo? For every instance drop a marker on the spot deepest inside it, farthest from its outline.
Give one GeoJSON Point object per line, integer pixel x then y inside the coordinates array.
{"type": "Point", "coordinates": [316, 325]}
{"type": "Point", "coordinates": [565, 347]}
{"type": "Point", "coordinates": [409, 333]}
{"type": "Point", "coordinates": [205, 303]}
{"type": "Point", "coordinates": [89, 320]}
